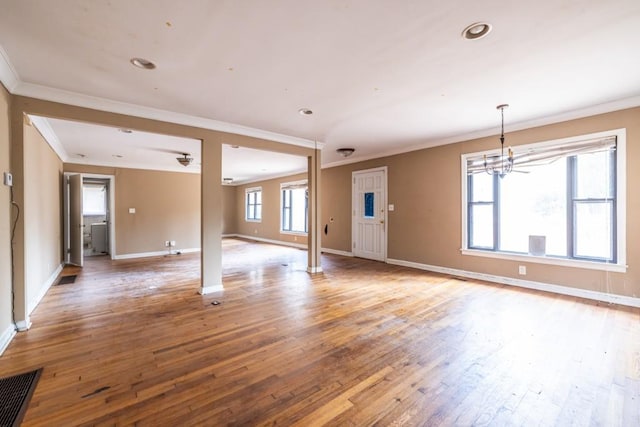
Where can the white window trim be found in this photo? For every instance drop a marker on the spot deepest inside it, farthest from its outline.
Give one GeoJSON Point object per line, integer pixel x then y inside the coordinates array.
{"type": "Point", "coordinates": [247, 191]}
{"type": "Point", "coordinates": [621, 207]}
{"type": "Point", "coordinates": [283, 186]}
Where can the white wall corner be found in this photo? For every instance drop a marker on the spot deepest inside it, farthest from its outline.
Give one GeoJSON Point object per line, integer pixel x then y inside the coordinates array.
{"type": "Point", "coordinates": [528, 284]}
{"type": "Point", "coordinates": [44, 289]}
{"type": "Point", "coordinates": [6, 337]}
{"type": "Point", "coordinates": [8, 75]}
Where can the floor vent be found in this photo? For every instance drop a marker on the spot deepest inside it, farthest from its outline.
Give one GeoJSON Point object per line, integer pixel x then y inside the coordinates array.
{"type": "Point", "coordinates": [15, 394]}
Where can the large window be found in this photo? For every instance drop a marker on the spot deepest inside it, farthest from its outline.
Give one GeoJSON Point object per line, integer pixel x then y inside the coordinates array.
{"type": "Point", "coordinates": [94, 199]}
{"type": "Point", "coordinates": [295, 202]}
{"type": "Point", "coordinates": [253, 199]}
{"type": "Point", "coordinates": [561, 202]}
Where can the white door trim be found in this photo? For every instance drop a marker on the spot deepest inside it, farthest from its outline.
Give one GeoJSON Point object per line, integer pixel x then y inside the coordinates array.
{"type": "Point", "coordinates": [384, 205]}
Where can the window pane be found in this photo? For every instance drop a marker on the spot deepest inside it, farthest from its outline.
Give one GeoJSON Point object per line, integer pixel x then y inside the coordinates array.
{"type": "Point", "coordinates": [299, 211]}
{"type": "Point", "coordinates": [534, 203]}
{"type": "Point", "coordinates": [286, 224]}
{"type": "Point", "coordinates": [94, 200]}
{"type": "Point", "coordinates": [368, 205]}
{"type": "Point", "coordinates": [593, 234]}
{"type": "Point", "coordinates": [258, 195]}
{"type": "Point", "coordinates": [481, 187]}
{"type": "Point", "coordinates": [258, 212]}
{"type": "Point", "coordinates": [481, 224]}
{"type": "Point", "coordinates": [594, 175]}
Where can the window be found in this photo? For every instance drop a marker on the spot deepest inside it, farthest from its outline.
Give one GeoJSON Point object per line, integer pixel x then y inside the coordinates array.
{"type": "Point", "coordinates": [295, 202]}
{"type": "Point", "coordinates": [254, 204]}
{"type": "Point", "coordinates": [565, 195]}
{"type": "Point", "coordinates": [94, 199]}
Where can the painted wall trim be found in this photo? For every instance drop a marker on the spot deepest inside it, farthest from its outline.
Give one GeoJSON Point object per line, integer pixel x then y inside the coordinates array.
{"type": "Point", "coordinates": [547, 287]}
{"type": "Point", "coordinates": [6, 337]}
{"type": "Point", "coordinates": [272, 241]}
{"type": "Point", "coordinates": [8, 74]}
{"type": "Point", "coordinates": [33, 303]}
{"type": "Point", "coordinates": [337, 252]}
{"type": "Point", "coordinates": [211, 289]}
{"type": "Point", "coordinates": [23, 325]}
{"type": "Point", "coordinates": [158, 253]}
{"type": "Point", "coordinates": [103, 104]}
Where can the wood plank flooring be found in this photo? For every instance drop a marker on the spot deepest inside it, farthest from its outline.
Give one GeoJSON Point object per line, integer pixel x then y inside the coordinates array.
{"type": "Point", "coordinates": [364, 343]}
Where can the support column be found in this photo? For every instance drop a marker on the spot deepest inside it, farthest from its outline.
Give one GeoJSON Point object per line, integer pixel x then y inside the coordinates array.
{"type": "Point", "coordinates": [315, 227]}
{"type": "Point", "coordinates": [211, 217]}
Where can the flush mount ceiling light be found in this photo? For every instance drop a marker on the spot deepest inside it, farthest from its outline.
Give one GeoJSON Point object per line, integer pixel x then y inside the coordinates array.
{"type": "Point", "coordinates": [345, 152]}
{"type": "Point", "coordinates": [185, 160]}
{"type": "Point", "coordinates": [476, 31]}
{"type": "Point", "coordinates": [145, 64]}
{"type": "Point", "coordinates": [305, 111]}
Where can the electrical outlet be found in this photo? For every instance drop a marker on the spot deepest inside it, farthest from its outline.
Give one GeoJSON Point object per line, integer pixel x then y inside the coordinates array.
{"type": "Point", "coordinates": [8, 179]}
{"type": "Point", "coordinates": [522, 270]}
{"type": "Point", "coordinates": [166, 243]}
{"type": "Point", "coordinates": [172, 243]}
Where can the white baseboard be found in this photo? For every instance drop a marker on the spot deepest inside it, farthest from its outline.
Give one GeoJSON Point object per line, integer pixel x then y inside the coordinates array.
{"type": "Point", "coordinates": [547, 287]}
{"type": "Point", "coordinates": [6, 337]}
{"type": "Point", "coordinates": [158, 253]}
{"type": "Point", "coordinates": [273, 242]}
{"type": "Point", "coordinates": [336, 252]}
{"type": "Point", "coordinates": [23, 325]}
{"type": "Point", "coordinates": [44, 289]}
{"type": "Point", "coordinates": [211, 289]}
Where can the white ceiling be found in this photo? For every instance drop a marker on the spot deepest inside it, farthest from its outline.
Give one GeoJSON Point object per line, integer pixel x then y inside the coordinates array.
{"type": "Point", "coordinates": [381, 76]}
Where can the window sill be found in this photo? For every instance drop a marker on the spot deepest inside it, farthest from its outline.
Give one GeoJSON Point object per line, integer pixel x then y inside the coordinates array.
{"type": "Point", "coordinates": [294, 233]}
{"type": "Point", "coordinates": [591, 265]}
{"type": "Point", "coordinates": [253, 220]}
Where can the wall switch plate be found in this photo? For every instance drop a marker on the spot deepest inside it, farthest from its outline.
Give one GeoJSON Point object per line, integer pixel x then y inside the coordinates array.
{"type": "Point", "coordinates": [8, 179]}
{"type": "Point", "coordinates": [391, 208]}
{"type": "Point", "coordinates": [132, 210]}
{"type": "Point", "coordinates": [166, 243]}
{"type": "Point", "coordinates": [172, 243]}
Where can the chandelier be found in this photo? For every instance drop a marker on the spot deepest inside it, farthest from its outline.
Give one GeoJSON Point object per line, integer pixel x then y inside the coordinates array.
{"type": "Point", "coordinates": [500, 165]}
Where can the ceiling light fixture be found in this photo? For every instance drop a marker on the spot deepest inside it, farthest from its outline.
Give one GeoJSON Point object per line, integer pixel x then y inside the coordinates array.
{"type": "Point", "coordinates": [345, 152]}
{"type": "Point", "coordinates": [145, 64]}
{"type": "Point", "coordinates": [476, 31]}
{"type": "Point", "coordinates": [500, 165]}
{"type": "Point", "coordinates": [305, 111]}
{"type": "Point", "coordinates": [185, 160]}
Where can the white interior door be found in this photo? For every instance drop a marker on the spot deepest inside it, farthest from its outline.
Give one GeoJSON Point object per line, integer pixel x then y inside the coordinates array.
{"type": "Point", "coordinates": [76, 221]}
{"type": "Point", "coordinates": [369, 225]}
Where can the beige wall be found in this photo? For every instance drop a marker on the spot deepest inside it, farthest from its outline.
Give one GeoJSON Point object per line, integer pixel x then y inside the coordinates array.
{"type": "Point", "coordinates": [5, 220]}
{"type": "Point", "coordinates": [425, 187]}
{"type": "Point", "coordinates": [269, 226]}
{"type": "Point", "coordinates": [42, 210]}
{"type": "Point", "coordinates": [229, 215]}
{"type": "Point", "coordinates": [167, 208]}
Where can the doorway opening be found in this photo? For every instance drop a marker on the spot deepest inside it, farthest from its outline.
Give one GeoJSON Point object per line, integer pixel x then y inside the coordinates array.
{"type": "Point", "coordinates": [88, 217]}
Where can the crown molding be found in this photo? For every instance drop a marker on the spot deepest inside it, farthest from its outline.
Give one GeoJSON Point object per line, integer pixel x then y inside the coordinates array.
{"type": "Point", "coordinates": [581, 113]}
{"type": "Point", "coordinates": [45, 129]}
{"type": "Point", "coordinates": [8, 74]}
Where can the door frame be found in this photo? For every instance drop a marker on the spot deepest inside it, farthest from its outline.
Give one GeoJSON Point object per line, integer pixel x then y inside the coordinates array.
{"type": "Point", "coordinates": [385, 187]}
{"type": "Point", "coordinates": [112, 212]}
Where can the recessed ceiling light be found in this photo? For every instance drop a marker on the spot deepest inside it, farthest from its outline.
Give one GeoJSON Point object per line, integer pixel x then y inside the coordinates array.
{"type": "Point", "coordinates": [235, 146]}
{"type": "Point", "coordinates": [143, 63]}
{"type": "Point", "coordinates": [117, 156]}
{"type": "Point", "coordinates": [82, 156]}
{"type": "Point", "coordinates": [305, 111]}
{"type": "Point", "coordinates": [476, 31]}
{"type": "Point", "coordinates": [227, 180]}
{"type": "Point", "coordinates": [123, 130]}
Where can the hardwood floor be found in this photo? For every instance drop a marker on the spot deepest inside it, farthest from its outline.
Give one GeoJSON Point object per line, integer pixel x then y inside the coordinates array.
{"type": "Point", "coordinates": [132, 342]}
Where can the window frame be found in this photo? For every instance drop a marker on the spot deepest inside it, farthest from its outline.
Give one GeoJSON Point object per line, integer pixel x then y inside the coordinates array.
{"type": "Point", "coordinates": [290, 186]}
{"type": "Point", "coordinates": [618, 233]}
{"type": "Point", "coordinates": [253, 206]}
